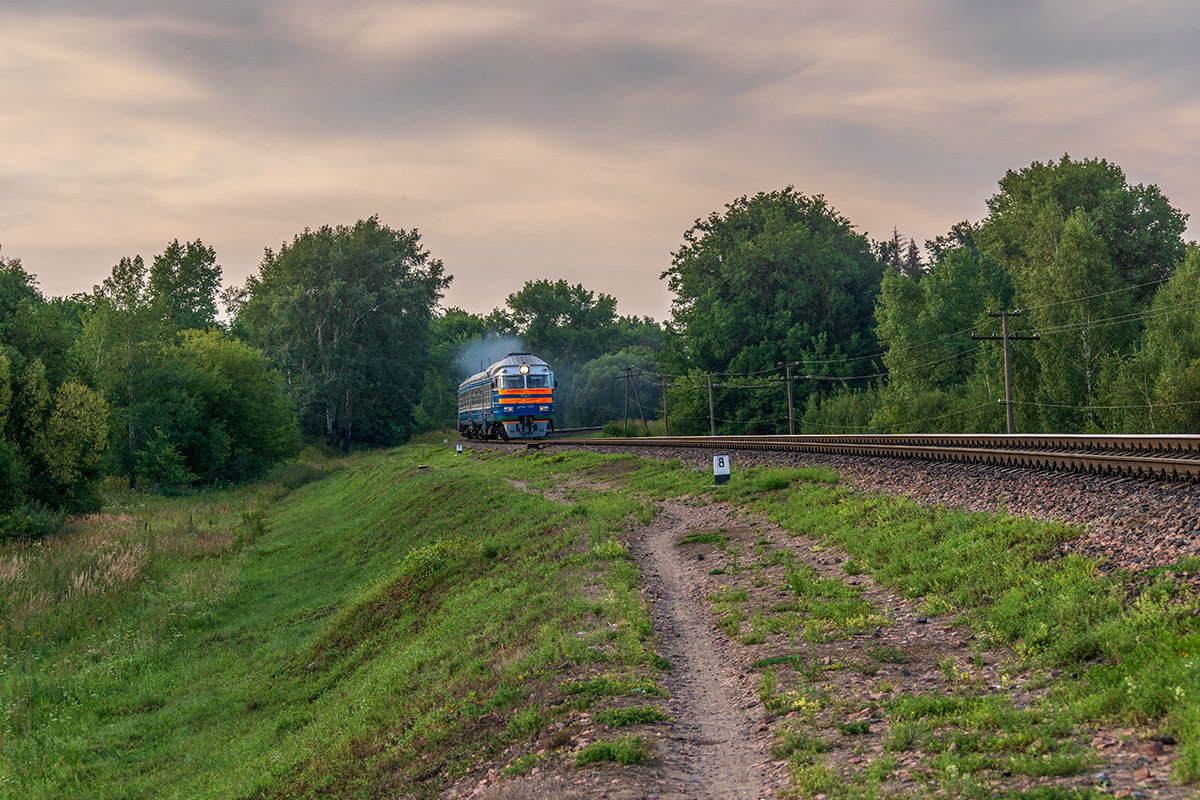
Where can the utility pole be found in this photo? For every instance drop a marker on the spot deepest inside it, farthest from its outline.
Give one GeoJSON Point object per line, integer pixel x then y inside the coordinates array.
{"type": "Point", "coordinates": [666, 424]}
{"type": "Point", "coordinates": [787, 368]}
{"type": "Point", "coordinates": [638, 397]}
{"type": "Point", "coordinates": [627, 398]}
{"type": "Point", "coordinates": [712, 423]}
{"type": "Point", "coordinates": [1006, 338]}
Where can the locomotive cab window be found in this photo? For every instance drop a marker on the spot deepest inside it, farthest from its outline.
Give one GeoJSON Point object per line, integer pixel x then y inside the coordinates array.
{"type": "Point", "coordinates": [513, 382]}
{"type": "Point", "coordinates": [538, 381]}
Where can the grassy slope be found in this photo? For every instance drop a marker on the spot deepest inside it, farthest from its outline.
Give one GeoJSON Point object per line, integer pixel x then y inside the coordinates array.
{"type": "Point", "coordinates": [389, 622]}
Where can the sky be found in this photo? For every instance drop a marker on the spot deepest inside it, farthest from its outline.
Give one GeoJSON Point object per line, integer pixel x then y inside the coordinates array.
{"type": "Point", "coordinates": [557, 139]}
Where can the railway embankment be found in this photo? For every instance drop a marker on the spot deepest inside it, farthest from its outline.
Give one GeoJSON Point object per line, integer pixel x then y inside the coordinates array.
{"type": "Point", "coordinates": [1040, 627]}
{"type": "Point", "coordinates": [1129, 523]}
{"type": "Point", "coordinates": [509, 623]}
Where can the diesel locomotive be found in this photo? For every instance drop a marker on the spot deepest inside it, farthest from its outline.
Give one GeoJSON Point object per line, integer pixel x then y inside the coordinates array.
{"type": "Point", "coordinates": [511, 399]}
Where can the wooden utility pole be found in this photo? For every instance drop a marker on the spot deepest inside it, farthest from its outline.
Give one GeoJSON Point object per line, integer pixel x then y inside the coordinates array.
{"type": "Point", "coordinates": [638, 397]}
{"type": "Point", "coordinates": [666, 424]}
{"type": "Point", "coordinates": [787, 368]}
{"type": "Point", "coordinates": [1006, 338]}
{"type": "Point", "coordinates": [712, 422]}
{"type": "Point", "coordinates": [627, 398]}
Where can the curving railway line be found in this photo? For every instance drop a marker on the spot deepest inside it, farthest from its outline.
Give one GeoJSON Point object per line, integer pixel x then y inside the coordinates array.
{"type": "Point", "coordinates": [1167, 457]}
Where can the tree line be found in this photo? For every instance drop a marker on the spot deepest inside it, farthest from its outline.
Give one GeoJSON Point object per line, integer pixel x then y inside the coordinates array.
{"type": "Point", "coordinates": [340, 338]}
{"type": "Point", "coordinates": [140, 379]}
{"type": "Point", "coordinates": [780, 292]}
{"type": "Point", "coordinates": [1099, 268]}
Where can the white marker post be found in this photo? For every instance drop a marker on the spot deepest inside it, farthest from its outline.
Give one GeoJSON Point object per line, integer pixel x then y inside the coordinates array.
{"type": "Point", "coordinates": [721, 469]}
{"type": "Point", "coordinates": [458, 449]}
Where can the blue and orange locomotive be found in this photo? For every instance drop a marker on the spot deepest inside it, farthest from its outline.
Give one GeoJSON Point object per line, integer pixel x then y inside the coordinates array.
{"type": "Point", "coordinates": [511, 399]}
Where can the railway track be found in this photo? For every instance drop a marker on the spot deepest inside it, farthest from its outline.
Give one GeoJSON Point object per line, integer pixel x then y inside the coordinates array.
{"type": "Point", "coordinates": [1173, 457]}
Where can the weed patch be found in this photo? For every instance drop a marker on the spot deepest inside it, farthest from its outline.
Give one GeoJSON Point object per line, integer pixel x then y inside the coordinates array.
{"type": "Point", "coordinates": [798, 745]}
{"type": "Point", "coordinates": [621, 717]}
{"type": "Point", "coordinates": [623, 751]}
{"type": "Point", "coordinates": [615, 686]}
{"type": "Point", "coordinates": [523, 764]}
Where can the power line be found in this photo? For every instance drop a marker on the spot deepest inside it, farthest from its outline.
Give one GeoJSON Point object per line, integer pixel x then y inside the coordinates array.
{"type": "Point", "coordinates": [930, 342]}
{"type": "Point", "coordinates": [1109, 408]}
{"type": "Point", "coordinates": [1101, 294]}
{"type": "Point", "coordinates": [908, 423]}
{"type": "Point", "coordinates": [1130, 317]}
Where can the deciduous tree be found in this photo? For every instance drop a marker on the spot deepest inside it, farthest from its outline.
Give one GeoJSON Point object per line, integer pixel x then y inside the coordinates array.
{"type": "Point", "coordinates": [925, 329]}
{"type": "Point", "coordinates": [345, 313]}
{"type": "Point", "coordinates": [121, 342]}
{"type": "Point", "coordinates": [1142, 232]}
{"type": "Point", "coordinates": [601, 391]}
{"type": "Point", "coordinates": [249, 423]}
{"type": "Point", "coordinates": [183, 285]}
{"type": "Point", "coordinates": [1156, 387]}
{"type": "Point", "coordinates": [776, 277]}
{"type": "Point", "coordinates": [69, 450]}
{"type": "Point", "coordinates": [1073, 292]}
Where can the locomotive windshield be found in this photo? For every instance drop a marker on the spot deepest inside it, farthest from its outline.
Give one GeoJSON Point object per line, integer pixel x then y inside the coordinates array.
{"type": "Point", "coordinates": [537, 381]}
{"type": "Point", "coordinates": [513, 382]}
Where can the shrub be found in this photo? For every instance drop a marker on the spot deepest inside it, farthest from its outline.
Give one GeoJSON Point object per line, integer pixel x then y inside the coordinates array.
{"type": "Point", "coordinates": [623, 751]}
{"type": "Point", "coordinates": [30, 521]}
{"type": "Point", "coordinates": [620, 717]}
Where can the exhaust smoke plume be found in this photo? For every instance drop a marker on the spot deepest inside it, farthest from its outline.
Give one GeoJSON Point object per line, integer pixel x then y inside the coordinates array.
{"type": "Point", "coordinates": [475, 356]}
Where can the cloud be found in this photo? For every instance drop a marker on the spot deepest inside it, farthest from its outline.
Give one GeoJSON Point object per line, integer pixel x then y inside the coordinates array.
{"type": "Point", "coordinates": [549, 139]}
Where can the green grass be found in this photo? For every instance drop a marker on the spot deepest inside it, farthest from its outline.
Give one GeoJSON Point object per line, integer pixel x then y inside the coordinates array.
{"type": "Point", "coordinates": [798, 745]}
{"type": "Point", "coordinates": [622, 751]}
{"type": "Point", "coordinates": [888, 654]}
{"type": "Point", "coordinates": [523, 764]}
{"type": "Point", "coordinates": [1134, 645]}
{"type": "Point", "coordinates": [344, 629]}
{"type": "Point", "coordinates": [856, 728]}
{"type": "Point", "coordinates": [621, 717]}
{"type": "Point", "coordinates": [615, 686]}
{"type": "Point", "coordinates": [379, 624]}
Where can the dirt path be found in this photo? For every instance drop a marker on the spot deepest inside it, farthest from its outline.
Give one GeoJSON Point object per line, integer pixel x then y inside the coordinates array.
{"type": "Point", "coordinates": [715, 748]}
{"type": "Point", "coordinates": [718, 740]}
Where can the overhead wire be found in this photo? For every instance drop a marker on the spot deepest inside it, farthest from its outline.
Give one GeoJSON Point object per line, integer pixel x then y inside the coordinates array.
{"type": "Point", "coordinates": [1130, 317]}
{"type": "Point", "coordinates": [660, 380]}
{"type": "Point", "coordinates": [910, 422]}
{"type": "Point", "coordinates": [1094, 296]}
{"type": "Point", "coordinates": [1106, 407]}
{"type": "Point", "coordinates": [945, 337]}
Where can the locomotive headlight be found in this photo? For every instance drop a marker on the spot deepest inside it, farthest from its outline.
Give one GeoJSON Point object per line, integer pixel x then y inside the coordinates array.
{"type": "Point", "coordinates": [508, 408]}
{"type": "Point", "coordinates": [524, 369]}
{"type": "Point", "coordinates": [543, 408]}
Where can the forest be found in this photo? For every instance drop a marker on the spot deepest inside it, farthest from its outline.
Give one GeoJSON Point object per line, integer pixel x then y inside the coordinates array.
{"type": "Point", "coordinates": [160, 379]}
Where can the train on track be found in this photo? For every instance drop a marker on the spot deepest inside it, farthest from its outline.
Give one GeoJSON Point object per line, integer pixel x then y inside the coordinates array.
{"type": "Point", "coordinates": [511, 399]}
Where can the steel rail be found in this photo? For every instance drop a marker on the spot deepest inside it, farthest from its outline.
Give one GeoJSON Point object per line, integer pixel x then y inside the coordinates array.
{"type": "Point", "coordinates": [566, 433]}
{"type": "Point", "coordinates": [1175, 457]}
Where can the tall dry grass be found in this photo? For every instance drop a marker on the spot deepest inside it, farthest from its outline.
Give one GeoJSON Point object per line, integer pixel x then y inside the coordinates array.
{"type": "Point", "coordinates": [126, 560]}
